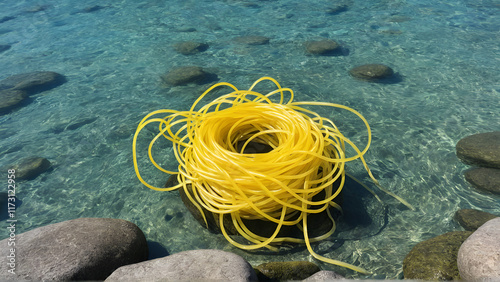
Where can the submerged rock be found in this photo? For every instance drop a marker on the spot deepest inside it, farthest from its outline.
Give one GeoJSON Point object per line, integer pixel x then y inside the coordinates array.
{"type": "Point", "coordinates": [78, 249]}
{"type": "Point", "coordinates": [33, 82]}
{"type": "Point", "coordinates": [482, 149]}
{"type": "Point", "coordinates": [471, 219]}
{"type": "Point", "coordinates": [10, 99]}
{"type": "Point", "coordinates": [322, 47]}
{"type": "Point", "coordinates": [30, 168]}
{"type": "Point", "coordinates": [186, 75]}
{"type": "Point", "coordinates": [485, 179]}
{"type": "Point", "coordinates": [436, 258]}
{"type": "Point", "coordinates": [4, 48]}
{"type": "Point", "coordinates": [479, 256]}
{"type": "Point", "coordinates": [196, 265]}
{"type": "Point", "coordinates": [252, 40]}
{"type": "Point", "coordinates": [372, 72]}
{"type": "Point", "coordinates": [190, 47]}
{"type": "Point", "coordinates": [286, 270]}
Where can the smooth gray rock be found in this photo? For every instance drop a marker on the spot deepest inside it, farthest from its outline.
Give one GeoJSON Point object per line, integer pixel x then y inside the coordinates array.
{"type": "Point", "coordinates": [479, 256]}
{"type": "Point", "coordinates": [482, 149]}
{"type": "Point", "coordinates": [324, 275]}
{"type": "Point", "coordinates": [78, 249]}
{"type": "Point", "coordinates": [484, 178]}
{"type": "Point", "coordinates": [196, 265]}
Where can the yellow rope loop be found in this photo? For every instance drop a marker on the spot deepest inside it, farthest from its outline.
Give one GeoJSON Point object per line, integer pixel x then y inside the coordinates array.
{"type": "Point", "coordinates": [307, 157]}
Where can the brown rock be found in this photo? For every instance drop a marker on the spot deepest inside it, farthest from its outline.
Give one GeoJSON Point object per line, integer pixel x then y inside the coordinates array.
{"type": "Point", "coordinates": [186, 75]}
{"type": "Point", "coordinates": [30, 168]}
{"type": "Point", "coordinates": [372, 72]}
{"type": "Point", "coordinates": [10, 99]}
{"type": "Point", "coordinates": [322, 47]}
{"type": "Point", "coordinates": [482, 149]}
{"type": "Point", "coordinates": [471, 219]}
{"type": "Point", "coordinates": [485, 179]}
{"type": "Point", "coordinates": [190, 47]}
{"type": "Point", "coordinates": [33, 82]}
{"type": "Point", "coordinates": [286, 270]}
{"type": "Point", "coordinates": [252, 40]}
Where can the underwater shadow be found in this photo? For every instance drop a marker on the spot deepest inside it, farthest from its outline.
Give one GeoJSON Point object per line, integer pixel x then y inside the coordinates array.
{"type": "Point", "coordinates": [156, 250]}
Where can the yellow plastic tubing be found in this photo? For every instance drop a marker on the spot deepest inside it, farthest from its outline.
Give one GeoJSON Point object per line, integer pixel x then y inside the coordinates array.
{"type": "Point", "coordinates": [307, 157]}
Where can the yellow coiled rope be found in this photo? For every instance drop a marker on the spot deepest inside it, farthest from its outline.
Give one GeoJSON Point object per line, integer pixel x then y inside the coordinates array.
{"type": "Point", "coordinates": [307, 157]}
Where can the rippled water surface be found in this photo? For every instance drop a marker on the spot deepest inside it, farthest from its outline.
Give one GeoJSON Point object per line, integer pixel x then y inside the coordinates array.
{"type": "Point", "coordinates": [114, 53]}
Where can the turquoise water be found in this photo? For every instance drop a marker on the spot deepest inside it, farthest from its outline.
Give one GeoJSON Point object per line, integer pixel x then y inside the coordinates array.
{"type": "Point", "coordinates": [446, 53]}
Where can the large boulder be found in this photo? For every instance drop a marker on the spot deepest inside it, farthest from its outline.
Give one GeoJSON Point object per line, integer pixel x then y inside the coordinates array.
{"type": "Point", "coordinates": [482, 149]}
{"type": "Point", "coordinates": [436, 258]}
{"type": "Point", "coordinates": [196, 265]}
{"type": "Point", "coordinates": [471, 219]}
{"type": "Point", "coordinates": [78, 249]}
{"type": "Point", "coordinates": [479, 256]}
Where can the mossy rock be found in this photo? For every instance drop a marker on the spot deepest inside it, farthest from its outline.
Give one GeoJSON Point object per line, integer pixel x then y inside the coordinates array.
{"type": "Point", "coordinates": [322, 47]}
{"type": "Point", "coordinates": [188, 74]}
{"type": "Point", "coordinates": [471, 219]}
{"type": "Point", "coordinates": [436, 258]}
{"type": "Point", "coordinates": [286, 270]}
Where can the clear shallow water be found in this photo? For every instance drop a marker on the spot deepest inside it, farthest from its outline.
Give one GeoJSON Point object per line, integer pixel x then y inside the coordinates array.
{"type": "Point", "coordinates": [447, 56]}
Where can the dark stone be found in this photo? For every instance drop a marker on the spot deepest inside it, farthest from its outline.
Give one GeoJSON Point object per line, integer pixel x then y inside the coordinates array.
{"type": "Point", "coordinates": [190, 47]}
{"type": "Point", "coordinates": [6, 18]}
{"type": "Point", "coordinates": [482, 149]}
{"type": "Point", "coordinates": [286, 270]}
{"type": "Point", "coordinates": [79, 123]}
{"type": "Point", "coordinates": [372, 72]}
{"type": "Point", "coordinates": [471, 219]}
{"type": "Point", "coordinates": [78, 249]}
{"type": "Point", "coordinates": [196, 265]}
{"type": "Point", "coordinates": [10, 99]}
{"type": "Point", "coordinates": [337, 9]}
{"type": "Point", "coordinates": [186, 29]}
{"type": "Point", "coordinates": [436, 258]}
{"type": "Point", "coordinates": [485, 179]}
{"type": "Point", "coordinates": [4, 48]}
{"type": "Point", "coordinates": [93, 9]}
{"type": "Point", "coordinates": [322, 47]}
{"type": "Point", "coordinates": [252, 40]}
{"type": "Point", "coordinates": [30, 168]}
{"type": "Point", "coordinates": [33, 82]}
{"type": "Point", "coordinates": [186, 75]}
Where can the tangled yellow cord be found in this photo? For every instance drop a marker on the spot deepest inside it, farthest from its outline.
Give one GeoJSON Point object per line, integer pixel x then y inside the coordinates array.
{"type": "Point", "coordinates": [307, 158]}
